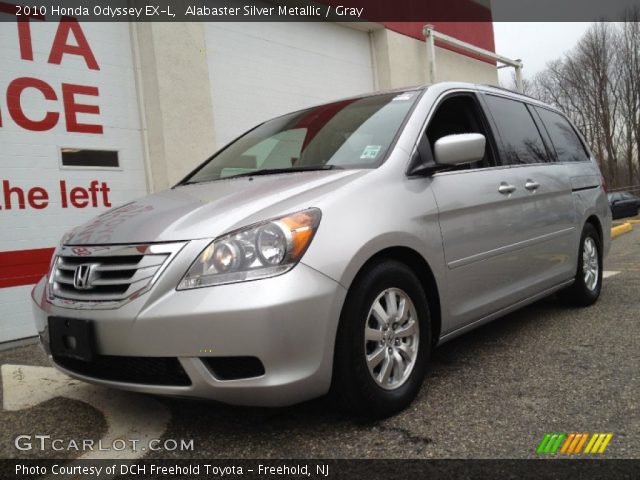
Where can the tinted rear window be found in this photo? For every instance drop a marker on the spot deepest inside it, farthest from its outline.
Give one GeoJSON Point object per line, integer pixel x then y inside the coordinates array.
{"type": "Point", "coordinates": [566, 142]}
{"type": "Point", "coordinates": [521, 140]}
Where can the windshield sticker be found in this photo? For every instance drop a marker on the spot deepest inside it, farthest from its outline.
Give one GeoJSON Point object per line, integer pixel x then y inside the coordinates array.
{"type": "Point", "coordinates": [371, 151]}
{"type": "Point", "coordinates": [403, 96]}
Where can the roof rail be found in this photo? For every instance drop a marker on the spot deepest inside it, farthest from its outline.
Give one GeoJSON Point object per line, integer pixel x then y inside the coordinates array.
{"type": "Point", "coordinates": [498, 87]}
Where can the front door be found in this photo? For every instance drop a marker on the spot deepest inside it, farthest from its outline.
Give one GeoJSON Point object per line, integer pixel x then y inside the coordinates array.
{"type": "Point", "coordinates": [506, 222]}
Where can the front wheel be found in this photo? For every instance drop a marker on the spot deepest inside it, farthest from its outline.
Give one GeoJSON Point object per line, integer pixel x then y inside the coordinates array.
{"type": "Point", "coordinates": [383, 342]}
{"type": "Point", "coordinates": [588, 280]}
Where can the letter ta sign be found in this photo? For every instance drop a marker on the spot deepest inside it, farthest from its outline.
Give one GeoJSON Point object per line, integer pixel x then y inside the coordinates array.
{"type": "Point", "coordinates": [69, 40]}
{"type": "Point", "coordinates": [61, 46]}
{"type": "Point", "coordinates": [61, 43]}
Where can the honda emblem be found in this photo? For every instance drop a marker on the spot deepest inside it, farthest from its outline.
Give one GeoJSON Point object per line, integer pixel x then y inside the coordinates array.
{"type": "Point", "coordinates": [83, 275]}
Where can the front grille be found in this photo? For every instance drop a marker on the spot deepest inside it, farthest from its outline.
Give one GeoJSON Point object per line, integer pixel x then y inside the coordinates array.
{"type": "Point", "coordinates": [112, 273]}
{"type": "Point", "coordinates": [145, 370]}
{"type": "Point", "coordinates": [234, 368]}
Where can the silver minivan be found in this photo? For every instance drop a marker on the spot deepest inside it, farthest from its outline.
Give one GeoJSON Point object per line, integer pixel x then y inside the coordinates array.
{"type": "Point", "coordinates": [330, 249]}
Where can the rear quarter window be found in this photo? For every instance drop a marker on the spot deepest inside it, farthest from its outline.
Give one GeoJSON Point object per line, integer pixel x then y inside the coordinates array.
{"type": "Point", "coordinates": [565, 140]}
{"type": "Point", "coordinates": [521, 140]}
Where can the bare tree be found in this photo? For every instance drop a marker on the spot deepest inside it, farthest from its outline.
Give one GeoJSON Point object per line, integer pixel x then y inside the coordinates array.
{"type": "Point", "coordinates": [597, 85]}
{"type": "Point", "coordinates": [629, 60]}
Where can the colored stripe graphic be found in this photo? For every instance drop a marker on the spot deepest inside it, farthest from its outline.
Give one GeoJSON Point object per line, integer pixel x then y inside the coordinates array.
{"type": "Point", "coordinates": [581, 443]}
{"type": "Point", "coordinates": [550, 443]}
{"type": "Point", "coordinates": [598, 442]}
{"type": "Point", "coordinates": [591, 442]}
{"type": "Point", "coordinates": [543, 444]}
{"type": "Point", "coordinates": [578, 442]}
{"type": "Point", "coordinates": [24, 267]}
{"type": "Point", "coordinates": [573, 443]}
{"type": "Point", "coordinates": [565, 447]}
{"type": "Point", "coordinates": [605, 442]}
{"type": "Point", "coordinates": [556, 445]}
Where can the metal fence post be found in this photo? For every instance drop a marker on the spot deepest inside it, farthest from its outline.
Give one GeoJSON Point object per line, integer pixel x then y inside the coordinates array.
{"type": "Point", "coordinates": [431, 53]}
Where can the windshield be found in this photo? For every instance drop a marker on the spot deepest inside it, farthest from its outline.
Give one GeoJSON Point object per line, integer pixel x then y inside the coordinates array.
{"type": "Point", "coordinates": [349, 134]}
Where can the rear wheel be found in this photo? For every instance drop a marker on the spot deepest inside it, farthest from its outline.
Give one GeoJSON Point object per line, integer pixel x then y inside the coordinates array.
{"type": "Point", "coordinates": [588, 281]}
{"type": "Point", "coordinates": [383, 342]}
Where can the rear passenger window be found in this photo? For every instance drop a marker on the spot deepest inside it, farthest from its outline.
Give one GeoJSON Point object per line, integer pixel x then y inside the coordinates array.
{"type": "Point", "coordinates": [566, 142]}
{"type": "Point", "coordinates": [521, 140]}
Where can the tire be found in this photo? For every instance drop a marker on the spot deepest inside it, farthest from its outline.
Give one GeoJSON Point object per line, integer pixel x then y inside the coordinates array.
{"type": "Point", "coordinates": [382, 285]}
{"type": "Point", "coordinates": [585, 291]}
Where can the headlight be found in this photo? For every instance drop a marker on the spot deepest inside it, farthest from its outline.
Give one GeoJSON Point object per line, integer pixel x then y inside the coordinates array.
{"type": "Point", "coordinates": [261, 250]}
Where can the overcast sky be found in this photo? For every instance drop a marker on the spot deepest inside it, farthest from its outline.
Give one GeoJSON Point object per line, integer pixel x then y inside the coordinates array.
{"type": "Point", "coordinates": [535, 43]}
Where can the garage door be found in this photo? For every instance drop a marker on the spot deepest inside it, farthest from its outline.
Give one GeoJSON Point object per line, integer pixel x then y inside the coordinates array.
{"type": "Point", "coordinates": [70, 144]}
{"type": "Point", "coordinates": [261, 70]}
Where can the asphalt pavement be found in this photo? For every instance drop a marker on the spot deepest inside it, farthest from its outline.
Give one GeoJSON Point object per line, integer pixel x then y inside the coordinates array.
{"type": "Point", "coordinates": [492, 393]}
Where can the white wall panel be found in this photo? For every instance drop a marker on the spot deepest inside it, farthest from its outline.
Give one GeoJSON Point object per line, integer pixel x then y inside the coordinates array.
{"type": "Point", "coordinates": [32, 158]}
{"type": "Point", "coordinates": [261, 70]}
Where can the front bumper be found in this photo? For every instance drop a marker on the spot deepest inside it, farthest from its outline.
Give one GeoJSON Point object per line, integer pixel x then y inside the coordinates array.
{"type": "Point", "coordinates": [288, 322]}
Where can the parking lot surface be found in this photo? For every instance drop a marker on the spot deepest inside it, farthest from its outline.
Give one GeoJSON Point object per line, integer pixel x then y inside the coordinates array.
{"type": "Point", "coordinates": [493, 393]}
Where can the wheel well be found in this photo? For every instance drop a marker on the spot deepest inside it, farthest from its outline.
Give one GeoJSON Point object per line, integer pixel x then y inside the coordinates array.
{"type": "Point", "coordinates": [420, 267]}
{"type": "Point", "coordinates": [593, 220]}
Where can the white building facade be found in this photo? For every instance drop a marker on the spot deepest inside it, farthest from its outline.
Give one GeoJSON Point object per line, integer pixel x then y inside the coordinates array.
{"type": "Point", "coordinates": [93, 115]}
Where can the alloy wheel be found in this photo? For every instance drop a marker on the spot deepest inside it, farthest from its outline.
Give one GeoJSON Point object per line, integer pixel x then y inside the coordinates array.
{"type": "Point", "coordinates": [590, 263]}
{"type": "Point", "coordinates": [391, 338]}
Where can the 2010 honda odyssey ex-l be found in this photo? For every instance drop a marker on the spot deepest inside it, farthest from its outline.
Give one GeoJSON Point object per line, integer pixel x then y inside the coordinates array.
{"type": "Point", "coordinates": [331, 249]}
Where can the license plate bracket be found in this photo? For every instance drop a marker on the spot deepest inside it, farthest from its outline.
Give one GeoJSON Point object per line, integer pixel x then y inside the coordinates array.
{"type": "Point", "coordinates": [72, 338]}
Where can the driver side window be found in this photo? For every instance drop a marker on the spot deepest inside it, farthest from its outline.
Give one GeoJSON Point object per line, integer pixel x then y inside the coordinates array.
{"type": "Point", "coordinates": [455, 115]}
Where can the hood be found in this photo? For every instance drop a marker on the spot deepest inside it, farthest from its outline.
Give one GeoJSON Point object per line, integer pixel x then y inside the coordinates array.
{"type": "Point", "coordinates": [208, 210]}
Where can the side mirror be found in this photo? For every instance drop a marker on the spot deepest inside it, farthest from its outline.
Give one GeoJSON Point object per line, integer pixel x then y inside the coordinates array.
{"type": "Point", "coordinates": [459, 149]}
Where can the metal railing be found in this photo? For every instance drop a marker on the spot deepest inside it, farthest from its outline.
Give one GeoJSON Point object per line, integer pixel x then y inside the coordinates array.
{"type": "Point", "coordinates": [431, 35]}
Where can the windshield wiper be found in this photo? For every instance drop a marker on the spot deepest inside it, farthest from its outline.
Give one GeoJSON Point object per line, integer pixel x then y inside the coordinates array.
{"type": "Point", "coordinates": [273, 171]}
{"type": "Point", "coordinates": [270, 171]}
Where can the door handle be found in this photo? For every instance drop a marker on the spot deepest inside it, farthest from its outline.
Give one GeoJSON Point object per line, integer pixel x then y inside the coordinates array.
{"type": "Point", "coordinates": [531, 185]}
{"type": "Point", "coordinates": [506, 189]}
